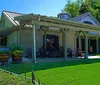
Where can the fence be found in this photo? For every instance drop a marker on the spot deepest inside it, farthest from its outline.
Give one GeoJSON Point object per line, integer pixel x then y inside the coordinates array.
{"type": "Point", "coordinates": [27, 79]}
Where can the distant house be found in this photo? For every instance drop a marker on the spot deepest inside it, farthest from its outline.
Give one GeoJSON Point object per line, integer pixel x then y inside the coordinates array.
{"type": "Point", "coordinates": [42, 32]}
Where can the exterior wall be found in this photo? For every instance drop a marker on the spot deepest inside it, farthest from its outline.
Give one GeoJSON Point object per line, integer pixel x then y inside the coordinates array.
{"type": "Point", "coordinates": [25, 40]}
{"type": "Point", "coordinates": [6, 20]}
{"type": "Point", "coordinates": [71, 39]}
{"type": "Point", "coordinates": [12, 38]}
{"type": "Point", "coordinates": [39, 38]}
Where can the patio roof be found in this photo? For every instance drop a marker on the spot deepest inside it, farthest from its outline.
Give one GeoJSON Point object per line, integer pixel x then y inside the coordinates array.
{"type": "Point", "coordinates": [56, 22]}
{"type": "Point", "coordinates": [64, 25]}
{"type": "Point", "coordinates": [4, 31]}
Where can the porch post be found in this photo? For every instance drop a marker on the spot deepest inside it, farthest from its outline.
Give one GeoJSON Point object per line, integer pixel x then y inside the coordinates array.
{"type": "Point", "coordinates": [17, 36]}
{"type": "Point", "coordinates": [89, 42]}
{"type": "Point", "coordinates": [65, 43]}
{"type": "Point", "coordinates": [79, 42]}
{"type": "Point", "coordinates": [45, 40]}
{"type": "Point", "coordinates": [34, 43]}
{"type": "Point", "coordinates": [97, 51]}
{"type": "Point", "coordinates": [75, 42]}
{"type": "Point", "coordinates": [86, 46]}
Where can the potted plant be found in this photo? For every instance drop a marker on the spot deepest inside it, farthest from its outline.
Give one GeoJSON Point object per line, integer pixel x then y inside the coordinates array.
{"type": "Point", "coordinates": [16, 53]}
{"type": "Point", "coordinates": [4, 54]}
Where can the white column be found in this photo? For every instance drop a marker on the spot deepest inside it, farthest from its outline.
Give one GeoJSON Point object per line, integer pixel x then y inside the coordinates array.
{"type": "Point", "coordinates": [79, 42]}
{"type": "Point", "coordinates": [45, 40]}
{"type": "Point", "coordinates": [19, 36]}
{"type": "Point", "coordinates": [97, 45]}
{"type": "Point", "coordinates": [89, 42]}
{"type": "Point", "coordinates": [75, 43]}
{"type": "Point", "coordinates": [34, 44]}
{"type": "Point", "coordinates": [86, 46]}
{"type": "Point", "coordinates": [65, 43]}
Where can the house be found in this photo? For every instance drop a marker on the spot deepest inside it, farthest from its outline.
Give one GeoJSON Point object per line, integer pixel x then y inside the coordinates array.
{"type": "Point", "coordinates": [50, 33]}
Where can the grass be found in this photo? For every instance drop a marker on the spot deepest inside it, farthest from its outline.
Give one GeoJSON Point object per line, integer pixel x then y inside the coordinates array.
{"type": "Point", "coordinates": [10, 79]}
{"type": "Point", "coordinates": [79, 72]}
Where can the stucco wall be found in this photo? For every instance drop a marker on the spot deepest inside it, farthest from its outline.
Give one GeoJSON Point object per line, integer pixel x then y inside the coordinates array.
{"type": "Point", "coordinates": [71, 39]}
{"type": "Point", "coordinates": [12, 38]}
{"type": "Point", "coordinates": [39, 38]}
{"type": "Point", "coordinates": [26, 37]}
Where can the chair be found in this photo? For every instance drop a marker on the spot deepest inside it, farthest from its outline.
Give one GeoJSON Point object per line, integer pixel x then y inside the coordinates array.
{"type": "Point", "coordinates": [69, 52]}
{"type": "Point", "coordinates": [79, 53]}
{"type": "Point", "coordinates": [29, 52]}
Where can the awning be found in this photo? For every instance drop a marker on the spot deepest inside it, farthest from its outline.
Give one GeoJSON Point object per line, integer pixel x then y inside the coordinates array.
{"type": "Point", "coordinates": [5, 31]}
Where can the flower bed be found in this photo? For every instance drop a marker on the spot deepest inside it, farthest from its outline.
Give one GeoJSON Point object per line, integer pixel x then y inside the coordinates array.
{"type": "Point", "coordinates": [16, 53]}
{"type": "Point", "coordinates": [4, 54]}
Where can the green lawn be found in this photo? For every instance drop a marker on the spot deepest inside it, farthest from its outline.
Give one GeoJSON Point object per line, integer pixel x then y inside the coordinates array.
{"type": "Point", "coordinates": [79, 72]}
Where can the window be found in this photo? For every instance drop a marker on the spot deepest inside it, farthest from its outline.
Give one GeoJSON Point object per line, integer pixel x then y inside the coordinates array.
{"type": "Point", "coordinates": [87, 22]}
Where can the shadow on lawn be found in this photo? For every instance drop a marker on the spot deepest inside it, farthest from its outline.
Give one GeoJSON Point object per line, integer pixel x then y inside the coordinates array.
{"type": "Point", "coordinates": [28, 67]}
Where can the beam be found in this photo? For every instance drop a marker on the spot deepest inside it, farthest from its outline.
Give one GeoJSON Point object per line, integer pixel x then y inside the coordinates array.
{"type": "Point", "coordinates": [61, 26]}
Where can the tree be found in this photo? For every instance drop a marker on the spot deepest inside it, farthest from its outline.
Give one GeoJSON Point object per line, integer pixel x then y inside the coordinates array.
{"type": "Point", "coordinates": [72, 8]}
{"type": "Point", "coordinates": [81, 6]}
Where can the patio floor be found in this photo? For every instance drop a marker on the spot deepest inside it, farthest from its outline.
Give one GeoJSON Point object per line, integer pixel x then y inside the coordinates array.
{"type": "Point", "coordinates": [27, 60]}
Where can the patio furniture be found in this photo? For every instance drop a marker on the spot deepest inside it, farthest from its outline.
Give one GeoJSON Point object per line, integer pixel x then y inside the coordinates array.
{"type": "Point", "coordinates": [69, 52]}
{"type": "Point", "coordinates": [54, 54]}
{"type": "Point", "coordinates": [79, 53]}
{"type": "Point", "coordinates": [41, 53]}
{"type": "Point", "coordinates": [29, 52]}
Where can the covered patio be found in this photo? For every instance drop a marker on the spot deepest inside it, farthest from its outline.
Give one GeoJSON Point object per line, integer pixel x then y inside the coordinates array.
{"type": "Point", "coordinates": [45, 24]}
{"type": "Point", "coordinates": [4, 32]}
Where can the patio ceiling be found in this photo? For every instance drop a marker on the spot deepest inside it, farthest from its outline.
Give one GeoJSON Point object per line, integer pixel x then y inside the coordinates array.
{"type": "Point", "coordinates": [4, 31]}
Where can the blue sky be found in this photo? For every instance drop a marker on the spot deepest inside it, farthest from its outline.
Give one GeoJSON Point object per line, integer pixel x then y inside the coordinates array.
{"type": "Point", "coordinates": [43, 7]}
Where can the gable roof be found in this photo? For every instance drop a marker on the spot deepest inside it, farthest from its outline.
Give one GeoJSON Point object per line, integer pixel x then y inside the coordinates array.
{"type": "Point", "coordinates": [11, 15]}
{"type": "Point", "coordinates": [83, 16]}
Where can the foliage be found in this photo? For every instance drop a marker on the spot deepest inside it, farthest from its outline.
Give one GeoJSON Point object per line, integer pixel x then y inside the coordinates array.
{"type": "Point", "coordinates": [16, 50]}
{"type": "Point", "coordinates": [72, 8]}
{"type": "Point", "coordinates": [4, 50]}
{"type": "Point", "coordinates": [81, 6]}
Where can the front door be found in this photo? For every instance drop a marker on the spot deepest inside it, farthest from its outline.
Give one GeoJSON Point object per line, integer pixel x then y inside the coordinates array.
{"type": "Point", "coordinates": [93, 44]}
{"type": "Point", "coordinates": [52, 42]}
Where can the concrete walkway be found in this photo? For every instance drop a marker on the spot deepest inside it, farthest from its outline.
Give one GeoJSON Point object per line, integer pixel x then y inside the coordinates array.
{"type": "Point", "coordinates": [93, 57]}
{"type": "Point", "coordinates": [27, 60]}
